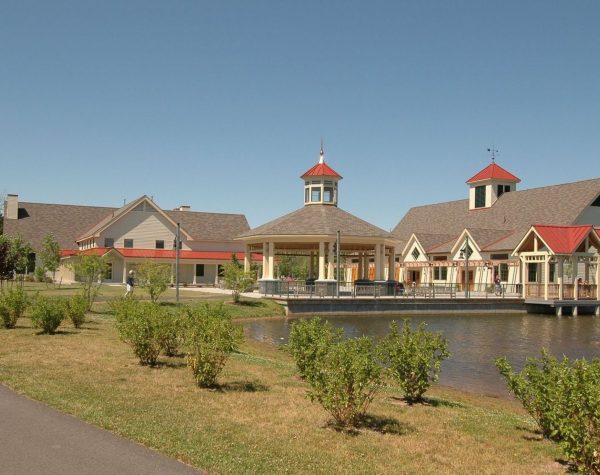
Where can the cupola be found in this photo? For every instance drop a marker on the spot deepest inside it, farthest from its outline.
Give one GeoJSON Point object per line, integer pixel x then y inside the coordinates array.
{"type": "Point", "coordinates": [490, 184]}
{"type": "Point", "coordinates": [321, 184]}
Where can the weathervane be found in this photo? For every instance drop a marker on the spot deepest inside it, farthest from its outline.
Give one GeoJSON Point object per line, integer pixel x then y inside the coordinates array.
{"type": "Point", "coordinates": [493, 151]}
{"type": "Point", "coordinates": [321, 153]}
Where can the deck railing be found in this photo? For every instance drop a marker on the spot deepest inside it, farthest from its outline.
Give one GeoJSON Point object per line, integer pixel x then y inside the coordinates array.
{"type": "Point", "coordinates": [584, 291]}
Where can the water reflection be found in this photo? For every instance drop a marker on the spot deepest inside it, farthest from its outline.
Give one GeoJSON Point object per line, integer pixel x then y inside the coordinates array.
{"type": "Point", "coordinates": [475, 341]}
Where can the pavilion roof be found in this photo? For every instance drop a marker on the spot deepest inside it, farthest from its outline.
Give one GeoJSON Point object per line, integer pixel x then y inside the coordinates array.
{"type": "Point", "coordinates": [493, 172]}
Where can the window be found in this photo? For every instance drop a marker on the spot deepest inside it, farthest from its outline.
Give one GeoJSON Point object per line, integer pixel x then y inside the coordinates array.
{"type": "Point", "coordinates": [415, 253]}
{"type": "Point", "coordinates": [328, 195]}
{"type": "Point", "coordinates": [108, 274]}
{"type": "Point", "coordinates": [220, 270]}
{"type": "Point", "coordinates": [552, 272]}
{"type": "Point", "coordinates": [500, 190]}
{"type": "Point", "coordinates": [502, 271]}
{"type": "Point", "coordinates": [306, 194]}
{"type": "Point", "coordinates": [466, 252]}
{"type": "Point", "coordinates": [440, 258]}
{"type": "Point", "coordinates": [109, 242]}
{"type": "Point", "coordinates": [480, 197]}
{"type": "Point", "coordinates": [532, 271]}
{"type": "Point", "coordinates": [128, 243]}
{"type": "Point", "coordinates": [199, 270]}
{"type": "Point", "coordinates": [315, 194]}
{"type": "Point", "coordinates": [499, 256]}
{"type": "Point", "coordinates": [160, 244]}
{"type": "Point", "coordinates": [440, 273]}
{"type": "Point", "coordinates": [506, 188]}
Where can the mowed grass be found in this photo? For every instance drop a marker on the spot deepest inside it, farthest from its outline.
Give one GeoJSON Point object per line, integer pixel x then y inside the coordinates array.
{"type": "Point", "coordinates": [260, 420]}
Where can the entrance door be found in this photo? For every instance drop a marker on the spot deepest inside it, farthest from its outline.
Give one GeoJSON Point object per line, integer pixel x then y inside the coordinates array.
{"type": "Point", "coordinates": [414, 276]}
{"type": "Point", "coordinates": [471, 281]}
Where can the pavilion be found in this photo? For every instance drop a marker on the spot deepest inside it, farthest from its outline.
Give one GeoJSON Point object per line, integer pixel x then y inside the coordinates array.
{"type": "Point", "coordinates": [313, 231]}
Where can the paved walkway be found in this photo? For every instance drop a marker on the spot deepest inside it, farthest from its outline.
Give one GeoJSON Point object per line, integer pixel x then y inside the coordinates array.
{"type": "Point", "coordinates": [36, 439]}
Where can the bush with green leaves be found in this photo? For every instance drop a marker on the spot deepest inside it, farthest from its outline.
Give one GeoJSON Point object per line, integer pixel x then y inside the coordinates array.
{"type": "Point", "coordinates": [13, 304]}
{"type": "Point", "coordinates": [170, 331]}
{"type": "Point", "coordinates": [345, 379]}
{"type": "Point", "coordinates": [139, 324]}
{"type": "Point", "coordinates": [564, 400]}
{"type": "Point", "coordinates": [210, 337]}
{"type": "Point", "coordinates": [236, 279]}
{"type": "Point", "coordinates": [413, 358]}
{"type": "Point", "coordinates": [75, 310]}
{"type": "Point", "coordinates": [309, 341]}
{"type": "Point", "coordinates": [47, 313]}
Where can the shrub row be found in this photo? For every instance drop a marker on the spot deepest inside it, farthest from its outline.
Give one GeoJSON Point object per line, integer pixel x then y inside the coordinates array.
{"type": "Point", "coordinates": [563, 397]}
{"type": "Point", "coordinates": [206, 334]}
{"type": "Point", "coordinates": [46, 313]}
{"type": "Point", "coordinates": [345, 374]}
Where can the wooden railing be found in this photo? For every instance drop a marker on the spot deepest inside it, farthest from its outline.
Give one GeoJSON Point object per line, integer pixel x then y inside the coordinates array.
{"type": "Point", "coordinates": [584, 291]}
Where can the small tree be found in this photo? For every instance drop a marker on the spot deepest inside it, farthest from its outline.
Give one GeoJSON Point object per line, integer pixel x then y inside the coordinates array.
{"type": "Point", "coordinates": [89, 269]}
{"type": "Point", "coordinates": [47, 313]}
{"type": "Point", "coordinates": [236, 279]}
{"type": "Point", "coordinates": [75, 309]}
{"type": "Point", "coordinates": [413, 358]}
{"type": "Point", "coordinates": [154, 278]}
{"type": "Point", "coordinates": [19, 253]}
{"type": "Point", "coordinates": [309, 341]}
{"type": "Point", "coordinates": [50, 254]}
{"type": "Point", "coordinates": [7, 265]}
{"type": "Point", "coordinates": [210, 337]}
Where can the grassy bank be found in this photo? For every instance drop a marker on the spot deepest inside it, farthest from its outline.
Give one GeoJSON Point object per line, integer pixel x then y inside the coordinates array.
{"type": "Point", "coordinates": [260, 420]}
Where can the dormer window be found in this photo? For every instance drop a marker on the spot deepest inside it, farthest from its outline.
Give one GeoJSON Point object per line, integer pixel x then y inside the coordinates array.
{"type": "Point", "coordinates": [480, 197]}
{"type": "Point", "coordinates": [415, 253]}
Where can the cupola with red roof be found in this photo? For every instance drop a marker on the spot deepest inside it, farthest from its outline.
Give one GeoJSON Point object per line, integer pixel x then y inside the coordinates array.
{"type": "Point", "coordinates": [321, 183]}
{"type": "Point", "coordinates": [487, 186]}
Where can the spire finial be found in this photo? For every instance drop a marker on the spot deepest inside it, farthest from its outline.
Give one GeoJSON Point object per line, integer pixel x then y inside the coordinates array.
{"type": "Point", "coordinates": [493, 151]}
{"type": "Point", "coordinates": [321, 153]}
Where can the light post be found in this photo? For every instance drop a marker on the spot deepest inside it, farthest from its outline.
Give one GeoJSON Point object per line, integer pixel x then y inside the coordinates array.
{"type": "Point", "coordinates": [177, 246]}
{"type": "Point", "coordinates": [464, 254]}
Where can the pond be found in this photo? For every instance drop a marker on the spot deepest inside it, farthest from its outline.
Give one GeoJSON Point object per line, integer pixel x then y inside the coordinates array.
{"type": "Point", "coordinates": [474, 340]}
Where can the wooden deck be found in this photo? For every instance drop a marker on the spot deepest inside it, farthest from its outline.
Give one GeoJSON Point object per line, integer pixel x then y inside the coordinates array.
{"type": "Point", "coordinates": [574, 307]}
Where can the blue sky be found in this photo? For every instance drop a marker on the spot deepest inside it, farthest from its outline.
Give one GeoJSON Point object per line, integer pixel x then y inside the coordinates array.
{"type": "Point", "coordinates": [222, 105]}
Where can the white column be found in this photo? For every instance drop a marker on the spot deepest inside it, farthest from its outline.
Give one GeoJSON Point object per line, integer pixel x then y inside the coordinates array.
{"type": "Point", "coordinates": [265, 266]}
{"type": "Point", "coordinates": [330, 259]}
{"type": "Point", "coordinates": [561, 262]}
{"type": "Point", "coordinates": [311, 265]}
{"type": "Point", "coordinates": [321, 260]}
{"type": "Point", "coordinates": [377, 261]}
{"type": "Point", "coordinates": [125, 272]}
{"type": "Point", "coordinates": [574, 279]}
{"type": "Point", "coordinates": [546, 276]}
{"type": "Point", "coordinates": [271, 260]}
{"type": "Point", "coordinates": [366, 265]}
{"type": "Point", "coordinates": [194, 274]}
{"type": "Point", "coordinates": [247, 259]}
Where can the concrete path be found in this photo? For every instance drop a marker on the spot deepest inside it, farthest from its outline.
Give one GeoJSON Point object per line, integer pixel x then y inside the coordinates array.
{"type": "Point", "coordinates": [35, 438]}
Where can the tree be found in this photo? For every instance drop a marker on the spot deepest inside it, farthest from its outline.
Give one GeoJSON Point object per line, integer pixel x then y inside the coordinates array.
{"type": "Point", "coordinates": [154, 278]}
{"type": "Point", "coordinates": [50, 254]}
{"type": "Point", "coordinates": [14, 256]}
{"type": "Point", "coordinates": [236, 279]}
{"type": "Point", "coordinates": [90, 270]}
{"type": "Point", "coordinates": [294, 266]}
{"type": "Point", "coordinates": [7, 266]}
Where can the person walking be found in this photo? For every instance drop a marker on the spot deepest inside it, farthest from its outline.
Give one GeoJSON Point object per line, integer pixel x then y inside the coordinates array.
{"type": "Point", "coordinates": [130, 284]}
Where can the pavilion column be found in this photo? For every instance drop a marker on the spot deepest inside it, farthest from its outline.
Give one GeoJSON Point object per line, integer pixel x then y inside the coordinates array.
{"type": "Point", "coordinates": [311, 265]}
{"type": "Point", "coordinates": [271, 260]}
{"type": "Point", "coordinates": [561, 265]}
{"type": "Point", "coordinates": [392, 264]}
{"type": "Point", "coordinates": [382, 261]}
{"type": "Point", "coordinates": [366, 265]}
{"type": "Point", "coordinates": [330, 259]}
{"type": "Point", "coordinates": [125, 272]}
{"type": "Point", "coordinates": [247, 259]}
{"type": "Point", "coordinates": [361, 266]}
{"type": "Point", "coordinates": [377, 261]}
{"type": "Point", "coordinates": [524, 275]}
{"type": "Point", "coordinates": [574, 279]}
{"type": "Point", "coordinates": [321, 260]}
{"type": "Point", "coordinates": [265, 267]}
{"type": "Point", "coordinates": [546, 276]}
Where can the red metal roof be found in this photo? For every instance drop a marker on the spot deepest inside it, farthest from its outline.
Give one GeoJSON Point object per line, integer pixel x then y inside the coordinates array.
{"type": "Point", "coordinates": [161, 254]}
{"type": "Point", "coordinates": [493, 172]}
{"type": "Point", "coordinates": [321, 169]}
{"type": "Point", "coordinates": [563, 239]}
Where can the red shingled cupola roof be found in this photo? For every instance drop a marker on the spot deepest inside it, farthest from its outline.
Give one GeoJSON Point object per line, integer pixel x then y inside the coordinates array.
{"type": "Point", "coordinates": [322, 169]}
{"type": "Point", "coordinates": [563, 239]}
{"type": "Point", "coordinates": [493, 172]}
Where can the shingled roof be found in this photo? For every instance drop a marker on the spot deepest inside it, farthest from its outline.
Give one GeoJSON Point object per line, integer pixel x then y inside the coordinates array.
{"type": "Point", "coordinates": [69, 222]}
{"type": "Point", "coordinates": [318, 220]}
{"type": "Point", "coordinates": [507, 220]}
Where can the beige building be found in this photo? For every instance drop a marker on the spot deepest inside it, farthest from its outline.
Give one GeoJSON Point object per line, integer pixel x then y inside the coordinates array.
{"type": "Point", "coordinates": [473, 240]}
{"type": "Point", "coordinates": [127, 236]}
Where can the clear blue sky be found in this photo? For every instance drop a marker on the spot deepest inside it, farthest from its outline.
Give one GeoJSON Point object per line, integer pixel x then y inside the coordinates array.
{"type": "Point", "coordinates": [221, 105]}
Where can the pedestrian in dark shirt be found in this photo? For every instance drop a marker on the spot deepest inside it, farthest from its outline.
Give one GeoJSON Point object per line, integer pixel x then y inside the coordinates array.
{"type": "Point", "coordinates": [130, 284]}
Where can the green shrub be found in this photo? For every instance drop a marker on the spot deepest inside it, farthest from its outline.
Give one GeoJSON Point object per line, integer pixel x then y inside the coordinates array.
{"type": "Point", "coordinates": [47, 313]}
{"type": "Point", "coordinates": [413, 358]}
{"type": "Point", "coordinates": [13, 304]}
{"type": "Point", "coordinates": [75, 310]}
{"type": "Point", "coordinates": [309, 341]}
{"type": "Point", "coordinates": [170, 332]}
{"type": "Point", "coordinates": [346, 378]}
{"type": "Point", "coordinates": [139, 325]}
{"type": "Point", "coordinates": [564, 400]}
{"type": "Point", "coordinates": [210, 337]}
{"type": "Point", "coordinates": [537, 387]}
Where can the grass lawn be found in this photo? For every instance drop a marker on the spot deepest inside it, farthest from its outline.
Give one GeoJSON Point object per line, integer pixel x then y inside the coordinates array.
{"type": "Point", "coordinates": [260, 420]}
